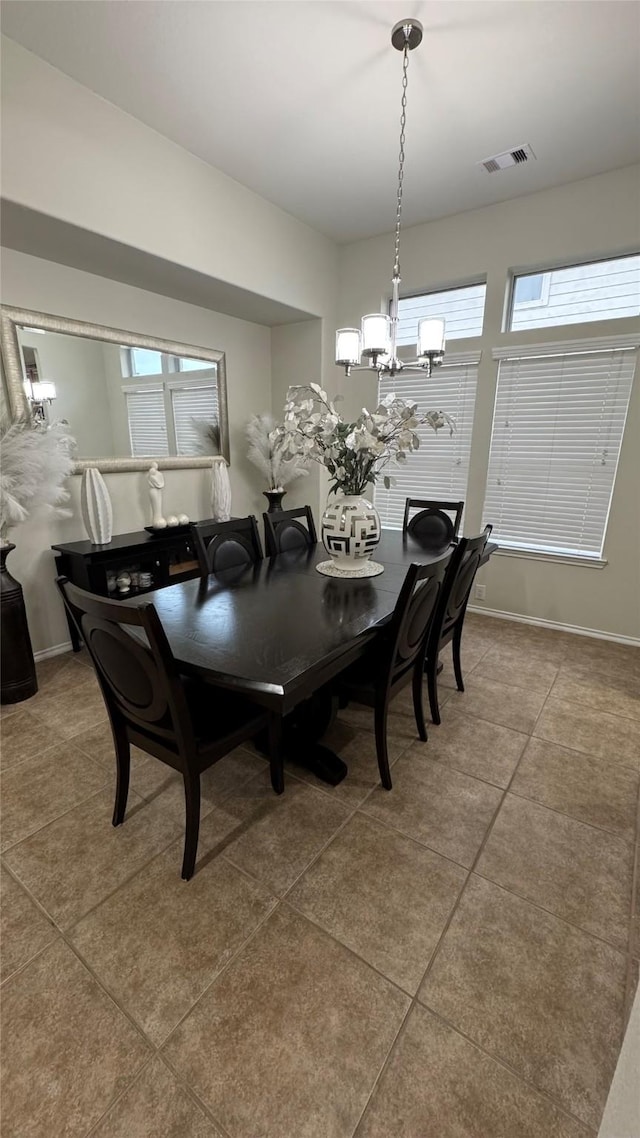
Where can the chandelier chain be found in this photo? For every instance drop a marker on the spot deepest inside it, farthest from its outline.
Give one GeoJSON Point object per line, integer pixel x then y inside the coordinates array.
{"type": "Point", "coordinates": [403, 123]}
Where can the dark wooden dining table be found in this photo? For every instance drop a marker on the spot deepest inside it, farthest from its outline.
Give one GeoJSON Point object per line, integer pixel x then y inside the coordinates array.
{"type": "Point", "coordinates": [278, 631]}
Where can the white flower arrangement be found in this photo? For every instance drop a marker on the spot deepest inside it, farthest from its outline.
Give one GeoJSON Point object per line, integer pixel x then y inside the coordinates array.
{"type": "Point", "coordinates": [36, 461]}
{"type": "Point", "coordinates": [268, 453]}
{"type": "Point", "coordinates": [355, 454]}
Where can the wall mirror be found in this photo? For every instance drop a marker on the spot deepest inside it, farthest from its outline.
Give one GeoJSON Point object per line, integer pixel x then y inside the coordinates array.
{"type": "Point", "coordinates": [127, 398]}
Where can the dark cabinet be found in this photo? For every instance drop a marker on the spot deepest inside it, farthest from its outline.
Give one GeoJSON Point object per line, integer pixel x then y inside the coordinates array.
{"type": "Point", "coordinates": [150, 561]}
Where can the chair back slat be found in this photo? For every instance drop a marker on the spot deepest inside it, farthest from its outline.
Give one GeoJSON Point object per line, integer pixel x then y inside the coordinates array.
{"type": "Point", "coordinates": [433, 525]}
{"type": "Point", "coordinates": [283, 531]}
{"type": "Point", "coordinates": [139, 681]}
{"type": "Point", "coordinates": [458, 583]}
{"type": "Point", "coordinates": [413, 614]}
{"type": "Point", "coordinates": [225, 545]}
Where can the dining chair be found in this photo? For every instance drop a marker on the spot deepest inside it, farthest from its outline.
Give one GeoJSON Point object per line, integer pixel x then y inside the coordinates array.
{"type": "Point", "coordinates": [225, 545]}
{"type": "Point", "coordinates": [433, 525]}
{"type": "Point", "coordinates": [186, 724]}
{"type": "Point", "coordinates": [449, 616]}
{"type": "Point", "coordinates": [397, 656]}
{"type": "Point", "coordinates": [283, 531]}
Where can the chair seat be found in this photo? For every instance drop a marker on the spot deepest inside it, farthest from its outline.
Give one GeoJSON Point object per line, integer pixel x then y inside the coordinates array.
{"type": "Point", "coordinates": [359, 681]}
{"type": "Point", "coordinates": [215, 719]}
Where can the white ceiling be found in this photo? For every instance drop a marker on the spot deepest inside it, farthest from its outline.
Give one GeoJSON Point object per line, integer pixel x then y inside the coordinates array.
{"type": "Point", "coordinates": [299, 100]}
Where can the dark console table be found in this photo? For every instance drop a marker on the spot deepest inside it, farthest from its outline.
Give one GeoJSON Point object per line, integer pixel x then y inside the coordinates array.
{"type": "Point", "coordinates": [169, 557]}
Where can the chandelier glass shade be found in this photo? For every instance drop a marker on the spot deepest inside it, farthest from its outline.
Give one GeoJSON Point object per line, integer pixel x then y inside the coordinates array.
{"type": "Point", "coordinates": [375, 342]}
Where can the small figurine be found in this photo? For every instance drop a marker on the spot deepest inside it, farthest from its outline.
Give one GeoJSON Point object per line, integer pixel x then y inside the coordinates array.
{"type": "Point", "coordinates": [155, 479]}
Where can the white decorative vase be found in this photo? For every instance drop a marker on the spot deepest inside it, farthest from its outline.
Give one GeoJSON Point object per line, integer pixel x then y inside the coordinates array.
{"type": "Point", "coordinates": [220, 491]}
{"type": "Point", "coordinates": [350, 533]}
{"type": "Point", "coordinates": [95, 505]}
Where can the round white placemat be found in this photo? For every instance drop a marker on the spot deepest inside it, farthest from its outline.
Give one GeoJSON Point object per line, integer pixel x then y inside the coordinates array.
{"type": "Point", "coordinates": [367, 569]}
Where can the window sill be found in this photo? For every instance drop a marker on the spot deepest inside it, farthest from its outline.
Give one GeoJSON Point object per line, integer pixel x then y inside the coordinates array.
{"type": "Point", "coordinates": [559, 558]}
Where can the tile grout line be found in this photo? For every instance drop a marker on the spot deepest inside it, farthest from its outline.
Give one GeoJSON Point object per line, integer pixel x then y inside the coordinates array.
{"type": "Point", "coordinates": [119, 1096]}
{"type": "Point", "coordinates": [618, 836]}
{"type": "Point", "coordinates": [445, 929]}
{"type": "Point", "coordinates": [178, 837]}
{"type": "Point", "coordinates": [434, 953]}
{"type": "Point", "coordinates": [504, 1063]}
{"type": "Point", "coordinates": [156, 1049]}
{"type": "Point", "coordinates": [480, 850]}
{"type": "Point", "coordinates": [191, 1094]}
{"type": "Point", "coordinates": [504, 888]}
{"type": "Point", "coordinates": [220, 973]}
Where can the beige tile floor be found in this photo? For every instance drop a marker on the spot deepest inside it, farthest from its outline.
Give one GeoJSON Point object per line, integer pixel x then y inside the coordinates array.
{"type": "Point", "coordinates": [452, 959]}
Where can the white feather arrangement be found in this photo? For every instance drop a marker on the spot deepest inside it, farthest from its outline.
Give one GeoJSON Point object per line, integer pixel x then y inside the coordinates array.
{"type": "Point", "coordinates": [36, 461]}
{"type": "Point", "coordinates": [266, 452]}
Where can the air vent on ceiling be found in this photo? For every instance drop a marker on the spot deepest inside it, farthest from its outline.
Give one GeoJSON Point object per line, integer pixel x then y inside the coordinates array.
{"type": "Point", "coordinates": [515, 157]}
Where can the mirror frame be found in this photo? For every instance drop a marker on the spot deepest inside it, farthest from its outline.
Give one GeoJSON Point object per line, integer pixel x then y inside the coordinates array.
{"type": "Point", "coordinates": [13, 318]}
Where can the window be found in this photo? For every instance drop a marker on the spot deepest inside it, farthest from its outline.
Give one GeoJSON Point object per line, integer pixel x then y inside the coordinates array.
{"type": "Point", "coordinates": [195, 408]}
{"type": "Point", "coordinates": [531, 291]}
{"type": "Point", "coordinates": [462, 308]}
{"type": "Point", "coordinates": [440, 468]}
{"type": "Point", "coordinates": [557, 429]}
{"type": "Point", "coordinates": [167, 414]}
{"type": "Point", "coordinates": [602, 290]}
{"type": "Point", "coordinates": [144, 362]}
{"type": "Point", "coordinates": [174, 417]}
{"type": "Point", "coordinates": [147, 421]}
{"type": "Point", "coordinates": [185, 364]}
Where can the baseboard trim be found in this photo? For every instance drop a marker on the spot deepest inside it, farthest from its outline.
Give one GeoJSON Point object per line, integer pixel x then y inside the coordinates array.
{"type": "Point", "coordinates": [56, 650]}
{"type": "Point", "coordinates": [632, 641]}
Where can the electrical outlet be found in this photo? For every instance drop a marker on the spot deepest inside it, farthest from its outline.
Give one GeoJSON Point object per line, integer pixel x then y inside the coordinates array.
{"type": "Point", "coordinates": [481, 592]}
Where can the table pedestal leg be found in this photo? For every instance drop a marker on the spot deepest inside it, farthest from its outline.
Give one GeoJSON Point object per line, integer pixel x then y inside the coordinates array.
{"type": "Point", "coordinates": [301, 731]}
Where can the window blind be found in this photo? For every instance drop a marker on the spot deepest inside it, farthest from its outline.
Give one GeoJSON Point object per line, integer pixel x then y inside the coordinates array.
{"type": "Point", "coordinates": [557, 430]}
{"type": "Point", "coordinates": [193, 402]}
{"type": "Point", "coordinates": [440, 468]}
{"type": "Point", "coordinates": [147, 422]}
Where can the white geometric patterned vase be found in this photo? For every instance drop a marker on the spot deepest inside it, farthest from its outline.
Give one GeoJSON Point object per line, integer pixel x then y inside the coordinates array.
{"type": "Point", "coordinates": [350, 532]}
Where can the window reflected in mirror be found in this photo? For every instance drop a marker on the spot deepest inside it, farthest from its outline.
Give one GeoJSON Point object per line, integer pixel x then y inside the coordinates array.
{"type": "Point", "coordinates": [121, 401]}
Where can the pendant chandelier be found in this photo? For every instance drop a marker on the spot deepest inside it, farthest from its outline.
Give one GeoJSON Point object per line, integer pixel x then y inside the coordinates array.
{"type": "Point", "coordinates": [376, 341]}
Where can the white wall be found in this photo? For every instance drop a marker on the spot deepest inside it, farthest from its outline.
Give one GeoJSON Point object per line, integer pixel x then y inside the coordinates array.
{"type": "Point", "coordinates": [76, 366]}
{"type": "Point", "coordinates": [594, 218]}
{"type": "Point", "coordinates": [98, 168]}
